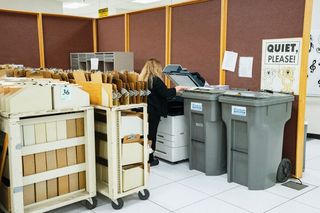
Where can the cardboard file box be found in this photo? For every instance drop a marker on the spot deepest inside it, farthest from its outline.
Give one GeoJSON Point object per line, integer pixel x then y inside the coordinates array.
{"type": "Point", "coordinates": [132, 177]}
{"type": "Point", "coordinates": [69, 96]}
{"type": "Point", "coordinates": [39, 98]}
{"type": "Point", "coordinates": [100, 93]}
{"type": "Point", "coordinates": [131, 124]}
{"type": "Point", "coordinates": [82, 180]}
{"type": "Point", "coordinates": [29, 194]}
{"type": "Point", "coordinates": [132, 153]}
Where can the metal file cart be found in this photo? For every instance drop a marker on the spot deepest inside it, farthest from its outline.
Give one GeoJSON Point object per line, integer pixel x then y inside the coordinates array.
{"type": "Point", "coordinates": [16, 125]}
{"type": "Point", "coordinates": [122, 169]}
{"type": "Point", "coordinates": [206, 131]}
{"type": "Point", "coordinates": [255, 125]}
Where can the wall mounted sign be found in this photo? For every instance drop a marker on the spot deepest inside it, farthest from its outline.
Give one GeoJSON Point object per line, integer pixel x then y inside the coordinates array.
{"type": "Point", "coordinates": [280, 67]}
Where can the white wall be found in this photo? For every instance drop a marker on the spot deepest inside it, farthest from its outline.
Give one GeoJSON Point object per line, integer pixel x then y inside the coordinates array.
{"type": "Point", "coordinates": [313, 103]}
{"type": "Point", "coordinates": [45, 6]}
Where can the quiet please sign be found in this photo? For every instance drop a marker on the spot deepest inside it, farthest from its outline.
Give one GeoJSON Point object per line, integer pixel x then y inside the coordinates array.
{"type": "Point", "coordinates": [280, 66]}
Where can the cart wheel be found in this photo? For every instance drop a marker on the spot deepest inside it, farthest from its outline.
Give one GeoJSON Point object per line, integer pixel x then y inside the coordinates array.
{"type": "Point", "coordinates": [145, 195]}
{"type": "Point", "coordinates": [90, 205]}
{"type": "Point", "coordinates": [284, 170]}
{"type": "Point", "coordinates": [119, 205]}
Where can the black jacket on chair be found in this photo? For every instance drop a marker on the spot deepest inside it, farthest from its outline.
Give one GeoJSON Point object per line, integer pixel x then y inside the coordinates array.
{"type": "Point", "coordinates": [158, 99]}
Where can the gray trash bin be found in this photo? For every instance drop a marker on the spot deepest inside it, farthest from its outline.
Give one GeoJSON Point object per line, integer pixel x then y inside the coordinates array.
{"type": "Point", "coordinates": [205, 131]}
{"type": "Point", "coordinates": [255, 124]}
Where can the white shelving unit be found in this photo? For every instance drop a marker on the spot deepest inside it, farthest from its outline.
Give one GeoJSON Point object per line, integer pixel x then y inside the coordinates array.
{"type": "Point", "coordinates": [13, 125]}
{"type": "Point", "coordinates": [116, 177]}
{"type": "Point", "coordinates": [107, 61]}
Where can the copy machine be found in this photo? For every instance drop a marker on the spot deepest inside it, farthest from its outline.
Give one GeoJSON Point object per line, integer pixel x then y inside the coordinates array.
{"type": "Point", "coordinates": [205, 131]}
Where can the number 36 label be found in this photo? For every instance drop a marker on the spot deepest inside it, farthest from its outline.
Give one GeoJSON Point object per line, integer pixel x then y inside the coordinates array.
{"type": "Point", "coordinates": [65, 93]}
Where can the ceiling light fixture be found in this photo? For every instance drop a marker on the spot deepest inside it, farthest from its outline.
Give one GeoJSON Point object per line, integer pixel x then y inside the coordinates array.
{"type": "Point", "coordinates": [145, 1]}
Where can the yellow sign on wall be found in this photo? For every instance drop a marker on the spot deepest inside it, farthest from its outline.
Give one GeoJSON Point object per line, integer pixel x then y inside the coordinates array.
{"type": "Point", "coordinates": [103, 12]}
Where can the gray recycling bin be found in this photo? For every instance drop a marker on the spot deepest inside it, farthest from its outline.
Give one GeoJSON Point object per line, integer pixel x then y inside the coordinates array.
{"type": "Point", "coordinates": [255, 125]}
{"type": "Point", "coordinates": [206, 131]}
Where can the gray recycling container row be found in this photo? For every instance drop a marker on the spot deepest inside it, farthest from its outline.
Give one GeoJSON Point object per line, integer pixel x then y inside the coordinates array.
{"type": "Point", "coordinates": [237, 132]}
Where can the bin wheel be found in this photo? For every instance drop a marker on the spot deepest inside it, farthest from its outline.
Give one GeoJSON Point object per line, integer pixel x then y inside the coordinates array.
{"type": "Point", "coordinates": [90, 205]}
{"type": "Point", "coordinates": [284, 170]}
{"type": "Point", "coordinates": [119, 205]}
{"type": "Point", "coordinates": [145, 195]}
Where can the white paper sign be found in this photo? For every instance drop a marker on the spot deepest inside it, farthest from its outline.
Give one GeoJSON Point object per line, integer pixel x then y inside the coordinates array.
{"type": "Point", "coordinates": [229, 61]}
{"type": "Point", "coordinates": [65, 93]}
{"type": "Point", "coordinates": [313, 82]}
{"type": "Point", "coordinates": [239, 110]}
{"type": "Point", "coordinates": [245, 67]}
{"type": "Point", "coordinates": [196, 106]}
{"type": "Point", "coordinates": [94, 63]}
{"type": "Point", "coordinates": [280, 66]}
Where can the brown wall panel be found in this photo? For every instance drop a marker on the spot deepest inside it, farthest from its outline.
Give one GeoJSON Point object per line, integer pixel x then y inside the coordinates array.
{"type": "Point", "coordinates": [111, 34]}
{"type": "Point", "coordinates": [63, 35]}
{"type": "Point", "coordinates": [19, 39]}
{"type": "Point", "coordinates": [148, 36]}
{"type": "Point", "coordinates": [196, 38]}
{"type": "Point", "coordinates": [249, 22]}
{"type": "Point", "coordinates": [290, 137]}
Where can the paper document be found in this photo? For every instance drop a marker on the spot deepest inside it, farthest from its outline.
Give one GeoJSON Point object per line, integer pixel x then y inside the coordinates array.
{"type": "Point", "coordinates": [94, 63]}
{"type": "Point", "coordinates": [245, 67]}
{"type": "Point", "coordinates": [229, 61]}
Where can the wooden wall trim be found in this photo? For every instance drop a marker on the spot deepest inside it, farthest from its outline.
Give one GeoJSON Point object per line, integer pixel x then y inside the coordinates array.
{"type": "Point", "coordinates": [303, 86]}
{"type": "Point", "coordinates": [40, 39]}
{"type": "Point", "coordinates": [168, 39]}
{"type": "Point", "coordinates": [223, 39]}
{"type": "Point", "coordinates": [94, 35]}
{"type": "Point", "coordinates": [127, 32]}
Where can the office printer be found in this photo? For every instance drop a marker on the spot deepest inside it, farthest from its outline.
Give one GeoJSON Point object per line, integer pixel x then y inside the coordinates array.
{"type": "Point", "coordinates": [182, 77]}
{"type": "Point", "coordinates": [172, 144]}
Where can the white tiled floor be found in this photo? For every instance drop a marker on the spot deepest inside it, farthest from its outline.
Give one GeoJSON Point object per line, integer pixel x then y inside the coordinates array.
{"type": "Point", "coordinates": [174, 188]}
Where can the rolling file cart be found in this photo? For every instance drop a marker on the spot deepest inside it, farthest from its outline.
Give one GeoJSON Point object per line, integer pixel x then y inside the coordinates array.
{"type": "Point", "coordinates": [255, 125]}
{"type": "Point", "coordinates": [206, 131]}
{"type": "Point", "coordinates": [122, 152]}
{"type": "Point", "coordinates": [49, 139]}
{"type": "Point", "coordinates": [37, 182]}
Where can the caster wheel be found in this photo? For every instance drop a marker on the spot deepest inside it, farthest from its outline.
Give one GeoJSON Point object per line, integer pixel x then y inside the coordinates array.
{"type": "Point", "coordinates": [145, 195]}
{"type": "Point", "coordinates": [90, 205]}
{"type": "Point", "coordinates": [119, 205]}
{"type": "Point", "coordinates": [284, 170]}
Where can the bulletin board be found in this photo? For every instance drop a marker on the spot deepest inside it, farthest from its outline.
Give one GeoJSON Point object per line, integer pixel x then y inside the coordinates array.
{"type": "Point", "coordinates": [63, 35]}
{"type": "Point", "coordinates": [111, 34]}
{"type": "Point", "coordinates": [196, 38]}
{"type": "Point", "coordinates": [249, 22]}
{"type": "Point", "coordinates": [147, 36]}
{"type": "Point", "coordinates": [19, 39]}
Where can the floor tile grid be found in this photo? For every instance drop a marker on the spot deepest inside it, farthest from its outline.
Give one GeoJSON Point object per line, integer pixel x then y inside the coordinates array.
{"type": "Point", "coordinates": [215, 196]}
{"type": "Point", "coordinates": [176, 181]}
{"type": "Point", "coordinates": [293, 199]}
{"type": "Point", "coordinates": [210, 196]}
{"type": "Point", "coordinates": [287, 199]}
